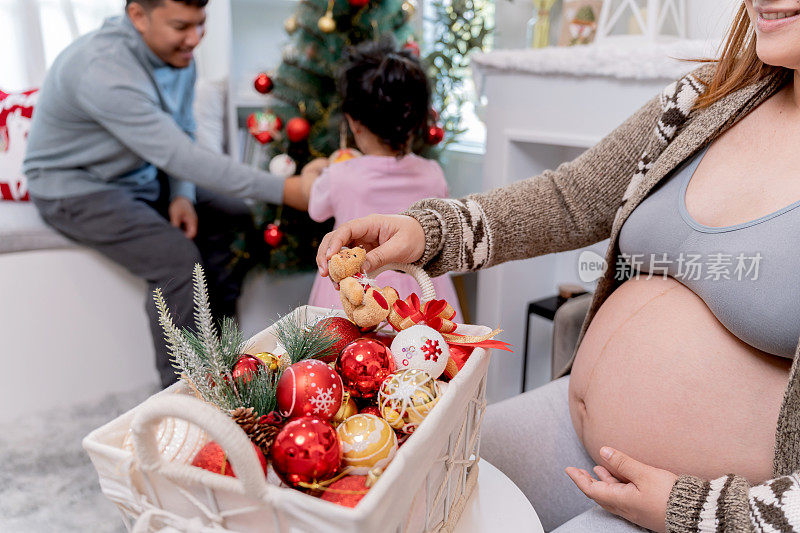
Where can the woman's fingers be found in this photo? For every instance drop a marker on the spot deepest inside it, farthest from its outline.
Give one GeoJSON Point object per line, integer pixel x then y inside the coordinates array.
{"type": "Point", "coordinates": [386, 238]}
{"type": "Point", "coordinates": [604, 475]}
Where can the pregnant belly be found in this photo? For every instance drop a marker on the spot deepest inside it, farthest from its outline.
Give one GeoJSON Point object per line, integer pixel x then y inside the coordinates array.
{"type": "Point", "coordinates": [660, 378]}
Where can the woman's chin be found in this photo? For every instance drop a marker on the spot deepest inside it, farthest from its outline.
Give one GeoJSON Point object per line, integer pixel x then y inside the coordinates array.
{"type": "Point", "coordinates": [775, 54]}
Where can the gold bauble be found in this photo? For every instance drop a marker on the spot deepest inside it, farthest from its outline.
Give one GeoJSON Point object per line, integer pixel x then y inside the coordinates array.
{"type": "Point", "coordinates": [368, 442]}
{"type": "Point", "coordinates": [406, 398]}
{"type": "Point", "coordinates": [326, 24]}
{"type": "Point", "coordinates": [347, 409]}
{"type": "Point", "coordinates": [409, 9]}
{"type": "Point", "coordinates": [274, 362]}
{"type": "Point", "coordinates": [290, 24]}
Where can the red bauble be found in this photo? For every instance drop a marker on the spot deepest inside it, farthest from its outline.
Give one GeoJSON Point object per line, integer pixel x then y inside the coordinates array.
{"type": "Point", "coordinates": [273, 235]}
{"type": "Point", "coordinates": [297, 129]}
{"type": "Point", "coordinates": [363, 365]}
{"type": "Point", "coordinates": [347, 491]}
{"type": "Point", "coordinates": [264, 126]}
{"type": "Point", "coordinates": [412, 47]}
{"type": "Point", "coordinates": [306, 450]}
{"type": "Point", "coordinates": [370, 410]}
{"type": "Point", "coordinates": [435, 134]}
{"type": "Point", "coordinates": [358, 3]}
{"type": "Point", "coordinates": [263, 83]}
{"type": "Point", "coordinates": [309, 387]}
{"type": "Point", "coordinates": [213, 458]}
{"type": "Point", "coordinates": [343, 330]}
{"type": "Point", "coordinates": [246, 367]}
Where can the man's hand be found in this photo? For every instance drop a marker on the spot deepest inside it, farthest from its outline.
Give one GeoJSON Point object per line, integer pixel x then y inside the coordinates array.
{"type": "Point", "coordinates": [183, 216]}
{"type": "Point", "coordinates": [630, 489]}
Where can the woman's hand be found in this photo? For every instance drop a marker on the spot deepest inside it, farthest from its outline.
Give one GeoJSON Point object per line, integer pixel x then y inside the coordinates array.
{"type": "Point", "coordinates": [387, 239]}
{"type": "Point", "coordinates": [630, 489]}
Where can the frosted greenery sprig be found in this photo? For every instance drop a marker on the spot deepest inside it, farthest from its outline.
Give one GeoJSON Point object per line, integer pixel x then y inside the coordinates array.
{"type": "Point", "coordinates": [301, 339]}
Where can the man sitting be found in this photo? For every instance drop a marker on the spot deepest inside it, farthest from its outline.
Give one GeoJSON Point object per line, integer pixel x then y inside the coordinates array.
{"type": "Point", "coordinates": [112, 165]}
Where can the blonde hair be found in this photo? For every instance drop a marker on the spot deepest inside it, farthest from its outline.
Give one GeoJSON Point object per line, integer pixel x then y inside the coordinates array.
{"type": "Point", "coordinates": [738, 65]}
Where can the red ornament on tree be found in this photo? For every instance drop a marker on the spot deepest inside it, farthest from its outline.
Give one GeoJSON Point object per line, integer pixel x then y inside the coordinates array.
{"type": "Point", "coordinates": [263, 83]}
{"type": "Point", "coordinates": [264, 126]}
{"type": "Point", "coordinates": [273, 235]}
{"type": "Point", "coordinates": [305, 451]}
{"type": "Point", "coordinates": [309, 387]}
{"type": "Point", "coordinates": [213, 458]}
{"type": "Point", "coordinates": [347, 491]}
{"type": "Point", "coordinates": [358, 3]}
{"type": "Point", "coordinates": [343, 330]}
{"type": "Point", "coordinates": [245, 367]}
{"type": "Point", "coordinates": [435, 134]}
{"type": "Point", "coordinates": [412, 47]}
{"type": "Point", "coordinates": [363, 365]}
{"type": "Point", "coordinates": [297, 129]}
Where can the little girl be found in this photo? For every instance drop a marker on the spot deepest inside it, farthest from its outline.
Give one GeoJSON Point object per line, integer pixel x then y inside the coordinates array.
{"type": "Point", "coordinates": [386, 98]}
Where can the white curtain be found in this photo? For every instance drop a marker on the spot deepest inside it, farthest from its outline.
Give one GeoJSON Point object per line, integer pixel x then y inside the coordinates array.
{"type": "Point", "coordinates": [33, 32]}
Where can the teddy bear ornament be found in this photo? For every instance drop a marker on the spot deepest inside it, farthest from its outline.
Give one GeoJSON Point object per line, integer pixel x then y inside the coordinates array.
{"type": "Point", "coordinates": [364, 303]}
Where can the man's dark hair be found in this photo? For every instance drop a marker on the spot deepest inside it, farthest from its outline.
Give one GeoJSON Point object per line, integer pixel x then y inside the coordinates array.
{"type": "Point", "coordinates": [150, 4]}
{"type": "Point", "coordinates": [386, 90]}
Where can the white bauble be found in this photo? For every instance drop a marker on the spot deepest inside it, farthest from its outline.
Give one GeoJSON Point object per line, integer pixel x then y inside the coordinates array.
{"type": "Point", "coordinates": [421, 347]}
{"type": "Point", "coordinates": [282, 166]}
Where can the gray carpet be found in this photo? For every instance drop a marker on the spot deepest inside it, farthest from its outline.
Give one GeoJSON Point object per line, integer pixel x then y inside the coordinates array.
{"type": "Point", "coordinates": [47, 483]}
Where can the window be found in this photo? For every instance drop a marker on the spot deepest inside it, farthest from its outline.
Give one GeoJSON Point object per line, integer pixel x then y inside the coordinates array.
{"type": "Point", "coordinates": [34, 32]}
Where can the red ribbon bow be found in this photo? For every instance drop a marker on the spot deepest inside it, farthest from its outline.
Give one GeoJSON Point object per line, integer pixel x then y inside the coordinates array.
{"type": "Point", "coordinates": [437, 314]}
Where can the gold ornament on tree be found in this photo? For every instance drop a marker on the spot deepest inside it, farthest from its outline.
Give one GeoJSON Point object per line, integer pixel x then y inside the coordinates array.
{"type": "Point", "coordinates": [274, 362]}
{"type": "Point", "coordinates": [326, 24]}
{"type": "Point", "coordinates": [290, 24]}
{"type": "Point", "coordinates": [409, 9]}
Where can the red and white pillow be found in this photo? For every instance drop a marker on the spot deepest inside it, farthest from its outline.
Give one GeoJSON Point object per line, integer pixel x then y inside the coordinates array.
{"type": "Point", "coordinates": [16, 110]}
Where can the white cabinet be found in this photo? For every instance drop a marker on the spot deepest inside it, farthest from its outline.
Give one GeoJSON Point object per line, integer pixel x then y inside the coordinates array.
{"type": "Point", "coordinates": [537, 116]}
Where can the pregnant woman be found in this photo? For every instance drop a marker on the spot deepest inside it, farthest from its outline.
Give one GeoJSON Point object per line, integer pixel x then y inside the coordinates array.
{"type": "Point", "coordinates": [682, 389]}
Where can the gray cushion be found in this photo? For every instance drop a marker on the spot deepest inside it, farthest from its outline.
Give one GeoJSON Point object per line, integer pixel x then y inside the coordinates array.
{"type": "Point", "coordinates": [22, 229]}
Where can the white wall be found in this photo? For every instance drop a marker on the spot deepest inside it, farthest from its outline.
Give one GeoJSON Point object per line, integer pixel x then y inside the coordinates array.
{"type": "Point", "coordinates": [707, 19]}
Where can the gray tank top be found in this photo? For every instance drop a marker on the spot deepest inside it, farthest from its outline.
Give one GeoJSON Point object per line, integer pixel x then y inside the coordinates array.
{"type": "Point", "coordinates": [746, 273]}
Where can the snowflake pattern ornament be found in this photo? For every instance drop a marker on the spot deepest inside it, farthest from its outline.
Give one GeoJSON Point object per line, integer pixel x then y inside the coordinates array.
{"type": "Point", "coordinates": [406, 398]}
{"type": "Point", "coordinates": [421, 347]}
{"type": "Point", "coordinates": [309, 387]}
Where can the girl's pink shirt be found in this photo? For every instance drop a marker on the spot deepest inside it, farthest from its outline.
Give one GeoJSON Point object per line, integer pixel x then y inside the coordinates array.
{"type": "Point", "coordinates": [376, 184]}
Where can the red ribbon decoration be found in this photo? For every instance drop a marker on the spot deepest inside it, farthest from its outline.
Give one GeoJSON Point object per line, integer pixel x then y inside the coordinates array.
{"type": "Point", "coordinates": [438, 314]}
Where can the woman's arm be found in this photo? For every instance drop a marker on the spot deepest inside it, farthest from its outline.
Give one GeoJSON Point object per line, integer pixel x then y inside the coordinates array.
{"type": "Point", "coordinates": [562, 209]}
{"type": "Point", "coordinates": [729, 503]}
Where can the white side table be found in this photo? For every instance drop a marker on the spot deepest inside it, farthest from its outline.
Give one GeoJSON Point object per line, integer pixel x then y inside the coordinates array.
{"type": "Point", "coordinates": [497, 504]}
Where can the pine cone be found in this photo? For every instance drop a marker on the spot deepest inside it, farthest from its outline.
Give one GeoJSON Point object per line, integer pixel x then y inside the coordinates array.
{"type": "Point", "coordinates": [246, 418]}
{"type": "Point", "coordinates": [264, 436]}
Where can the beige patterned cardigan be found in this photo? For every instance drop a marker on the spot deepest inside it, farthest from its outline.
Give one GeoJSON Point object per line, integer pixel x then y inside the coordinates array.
{"type": "Point", "coordinates": [587, 200]}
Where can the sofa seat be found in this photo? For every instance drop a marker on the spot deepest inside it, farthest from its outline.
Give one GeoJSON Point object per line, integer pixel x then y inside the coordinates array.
{"type": "Point", "coordinates": [22, 229]}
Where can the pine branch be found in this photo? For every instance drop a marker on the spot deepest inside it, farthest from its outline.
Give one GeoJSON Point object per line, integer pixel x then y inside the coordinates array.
{"type": "Point", "coordinates": [302, 340]}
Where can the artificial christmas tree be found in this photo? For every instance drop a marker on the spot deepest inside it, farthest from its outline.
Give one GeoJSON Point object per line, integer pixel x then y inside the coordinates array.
{"type": "Point", "coordinates": [303, 97]}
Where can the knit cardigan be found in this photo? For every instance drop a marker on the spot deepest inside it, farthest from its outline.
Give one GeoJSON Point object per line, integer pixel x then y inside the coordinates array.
{"type": "Point", "coordinates": [588, 199]}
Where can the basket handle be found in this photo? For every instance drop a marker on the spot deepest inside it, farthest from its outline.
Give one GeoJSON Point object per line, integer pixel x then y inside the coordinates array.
{"type": "Point", "coordinates": [421, 277]}
{"type": "Point", "coordinates": [220, 427]}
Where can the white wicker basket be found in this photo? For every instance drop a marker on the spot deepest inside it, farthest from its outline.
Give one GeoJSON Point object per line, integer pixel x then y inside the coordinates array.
{"type": "Point", "coordinates": [424, 488]}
